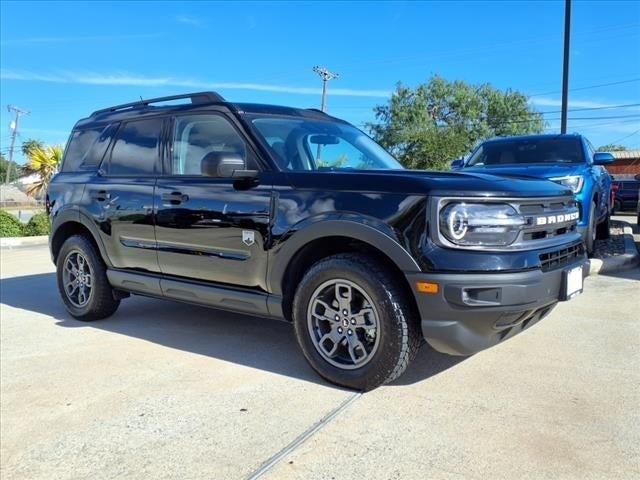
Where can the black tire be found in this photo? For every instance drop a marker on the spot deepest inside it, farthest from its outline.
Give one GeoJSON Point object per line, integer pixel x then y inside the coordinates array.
{"type": "Point", "coordinates": [397, 322]}
{"type": "Point", "coordinates": [603, 229]}
{"type": "Point", "coordinates": [590, 239]}
{"type": "Point", "coordinates": [99, 302]}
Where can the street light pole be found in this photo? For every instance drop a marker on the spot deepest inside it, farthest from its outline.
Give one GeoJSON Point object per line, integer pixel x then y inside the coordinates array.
{"type": "Point", "coordinates": [325, 75]}
{"type": "Point", "coordinates": [565, 66]}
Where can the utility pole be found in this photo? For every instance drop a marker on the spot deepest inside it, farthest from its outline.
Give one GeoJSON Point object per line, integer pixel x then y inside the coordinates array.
{"type": "Point", "coordinates": [325, 75]}
{"type": "Point", "coordinates": [18, 112]}
{"type": "Point", "coordinates": [565, 66]}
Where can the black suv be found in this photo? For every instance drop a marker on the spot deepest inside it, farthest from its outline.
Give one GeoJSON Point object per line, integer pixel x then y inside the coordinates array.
{"type": "Point", "coordinates": [291, 213]}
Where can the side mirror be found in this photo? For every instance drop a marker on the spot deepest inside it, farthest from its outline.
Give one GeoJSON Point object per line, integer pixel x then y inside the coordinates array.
{"type": "Point", "coordinates": [457, 164]}
{"type": "Point", "coordinates": [225, 165]}
{"type": "Point", "coordinates": [603, 158]}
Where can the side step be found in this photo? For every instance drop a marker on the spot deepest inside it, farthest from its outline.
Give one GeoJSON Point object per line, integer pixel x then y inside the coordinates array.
{"type": "Point", "coordinates": [226, 298]}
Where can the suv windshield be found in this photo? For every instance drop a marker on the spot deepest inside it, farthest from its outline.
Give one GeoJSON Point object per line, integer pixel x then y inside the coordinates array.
{"type": "Point", "coordinates": [525, 151]}
{"type": "Point", "coordinates": [306, 144]}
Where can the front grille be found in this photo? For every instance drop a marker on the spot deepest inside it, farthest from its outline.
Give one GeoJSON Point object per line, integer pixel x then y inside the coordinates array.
{"type": "Point", "coordinates": [548, 219]}
{"type": "Point", "coordinates": [560, 258]}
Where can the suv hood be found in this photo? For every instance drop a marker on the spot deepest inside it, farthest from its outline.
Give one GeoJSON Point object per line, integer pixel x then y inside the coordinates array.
{"type": "Point", "coordinates": [420, 182]}
{"type": "Point", "coordinates": [533, 170]}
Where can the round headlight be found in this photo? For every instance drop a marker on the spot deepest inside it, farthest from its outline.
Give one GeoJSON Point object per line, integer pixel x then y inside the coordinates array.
{"type": "Point", "coordinates": [480, 224]}
{"type": "Point", "coordinates": [457, 220]}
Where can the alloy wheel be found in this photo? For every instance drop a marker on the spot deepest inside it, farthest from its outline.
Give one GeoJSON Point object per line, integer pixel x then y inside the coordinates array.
{"type": "Point", "coordinates": [343, 324]}
{"type": "Point", "coordinates": [77, 279]}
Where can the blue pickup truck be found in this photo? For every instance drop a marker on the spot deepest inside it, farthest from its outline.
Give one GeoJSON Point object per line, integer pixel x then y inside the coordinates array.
{"type": "Point", "coordinates": [566, 159]}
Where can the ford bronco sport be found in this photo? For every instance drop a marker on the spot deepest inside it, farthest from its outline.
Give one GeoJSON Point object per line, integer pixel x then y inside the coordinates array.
{"type": "Point", "coordinates": [291, 213]}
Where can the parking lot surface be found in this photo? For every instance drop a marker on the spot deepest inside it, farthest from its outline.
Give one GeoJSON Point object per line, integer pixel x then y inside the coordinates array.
{"type": "Point", "coordinates": [165, 390]}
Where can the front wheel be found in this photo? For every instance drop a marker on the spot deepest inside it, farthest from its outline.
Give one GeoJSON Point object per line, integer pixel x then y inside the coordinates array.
{"type": "Point", "coordinates": [353, 322]}
{"type": "Point", "coordinates": [603, 229]}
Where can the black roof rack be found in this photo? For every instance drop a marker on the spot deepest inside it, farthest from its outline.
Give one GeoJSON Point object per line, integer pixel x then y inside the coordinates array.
{"type": "Point", "coordinates": [196, 98]}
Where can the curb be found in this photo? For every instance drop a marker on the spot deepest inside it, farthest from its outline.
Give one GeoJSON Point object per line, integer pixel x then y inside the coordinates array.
{"type": "Point", "coordinates": [17, 242]}
{"type": "Point", "coordinates": [628, 259]}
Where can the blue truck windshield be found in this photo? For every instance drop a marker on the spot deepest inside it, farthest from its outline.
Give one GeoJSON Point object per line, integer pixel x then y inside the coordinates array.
{"type": "Point", "coordinates": [527, 151]}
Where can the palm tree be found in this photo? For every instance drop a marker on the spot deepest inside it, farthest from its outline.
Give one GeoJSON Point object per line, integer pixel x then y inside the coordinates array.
{"type": "Point", "coordinates": [43, 161]}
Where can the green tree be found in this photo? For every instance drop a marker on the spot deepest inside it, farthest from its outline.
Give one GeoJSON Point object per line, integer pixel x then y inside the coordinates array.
{"type": "Point", "coordinates": [44, 162]}
{"type": "Point", "coordinates": [428, 126]}
{"type": "Point", "coordinates": [610, 147]}
{"type": "Point", "coordinates": [4, 164]}
{"type": "Point", "coordinates": [31, 145]}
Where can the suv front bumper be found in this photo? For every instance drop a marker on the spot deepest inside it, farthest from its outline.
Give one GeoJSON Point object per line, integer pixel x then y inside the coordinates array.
{"type": "Point", "coordinates": [471, 312]}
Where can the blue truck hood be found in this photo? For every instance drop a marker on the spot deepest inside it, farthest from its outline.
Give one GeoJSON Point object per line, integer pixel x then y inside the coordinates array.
{"type": "Point", "coordinates": [535, 170]}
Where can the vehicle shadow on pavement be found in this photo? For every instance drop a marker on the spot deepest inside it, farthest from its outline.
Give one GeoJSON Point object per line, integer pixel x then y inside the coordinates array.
{"type": "Point", "coordinates": [256, 342]}
{"type": "Point", "coordinates": [627, 274]}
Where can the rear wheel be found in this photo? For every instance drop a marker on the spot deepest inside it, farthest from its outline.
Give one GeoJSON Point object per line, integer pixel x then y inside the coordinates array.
{"type": "Point", "coordinates": [353, 322]}
{"type": "Point", "coordinates": [82, 281]}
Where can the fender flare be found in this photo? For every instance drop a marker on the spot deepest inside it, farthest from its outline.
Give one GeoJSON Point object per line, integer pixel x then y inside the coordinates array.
{"type": "Point", "coordinates": [336, 228]}
{"type": "Point", "coordinates": [75, 215]}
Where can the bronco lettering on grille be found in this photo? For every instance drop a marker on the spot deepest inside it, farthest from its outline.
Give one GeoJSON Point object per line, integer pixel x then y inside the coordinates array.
{"type": "Point", "coordinates": [552, 219]}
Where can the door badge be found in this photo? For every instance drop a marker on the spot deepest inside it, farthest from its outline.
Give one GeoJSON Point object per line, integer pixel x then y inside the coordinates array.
{"type": "Point", "coordinates": [248, 237]}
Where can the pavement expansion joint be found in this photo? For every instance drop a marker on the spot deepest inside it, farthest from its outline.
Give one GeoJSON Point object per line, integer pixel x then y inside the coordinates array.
{"type": "Point", "coordinates": [303, 437]}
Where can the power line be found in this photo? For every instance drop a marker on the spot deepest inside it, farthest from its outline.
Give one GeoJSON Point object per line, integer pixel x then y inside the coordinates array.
{"type": "Point", "coordinates": [549, 112]}
{"type": "Point", "coordinates": [604, 107]}
{"type": "Point", "coordinates": [610, 117]}
{"type": "Point", "coordinates": [588, 87]}
{"type": "Point", "coordinates": [504, 123]}
{"type": "Point", "coordinates": [626, 136]}
{"type": "Point", "coordinates": [594, 125]}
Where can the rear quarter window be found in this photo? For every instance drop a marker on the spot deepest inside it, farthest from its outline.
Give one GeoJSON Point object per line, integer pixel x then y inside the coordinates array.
{"type": "Point", "coordinates": [78, 146]}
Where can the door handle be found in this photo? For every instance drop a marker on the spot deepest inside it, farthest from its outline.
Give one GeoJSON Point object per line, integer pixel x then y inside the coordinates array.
{"type": "Point", "coordinates": [101, 196]}
{"type": "Point", "coordinates": [174, 198]}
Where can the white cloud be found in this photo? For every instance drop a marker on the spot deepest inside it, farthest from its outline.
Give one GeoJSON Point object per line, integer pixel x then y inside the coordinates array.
{"type": "Point", "coordinates": [556, 102]}
{"type": "Point", "coordinates": [93, 38]}
{"type": "Point", "coordinates": [190, 20]}
{"type": "Point", "coordinates": [126, 79]}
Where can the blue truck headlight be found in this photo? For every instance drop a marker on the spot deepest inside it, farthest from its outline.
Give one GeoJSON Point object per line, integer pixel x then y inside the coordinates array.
{"type": "Point", "coordinates": [574, 182]}
{"type": "Point", "coordinates": [480, 224]}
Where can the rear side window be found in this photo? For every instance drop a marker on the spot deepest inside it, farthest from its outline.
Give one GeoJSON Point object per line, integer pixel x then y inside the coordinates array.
{"type": "Point", "coordinates": [79, 144]}
{"type": "Point", "coordinates": [136, 148]}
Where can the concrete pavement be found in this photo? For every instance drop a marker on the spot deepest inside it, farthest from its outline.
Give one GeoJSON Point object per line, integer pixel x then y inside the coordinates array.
{"type": "Point", "coordinates": [165, 390]}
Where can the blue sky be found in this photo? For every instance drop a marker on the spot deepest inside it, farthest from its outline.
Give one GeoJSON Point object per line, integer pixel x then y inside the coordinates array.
{"type": "Point", "coordinates": [62, 60]}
